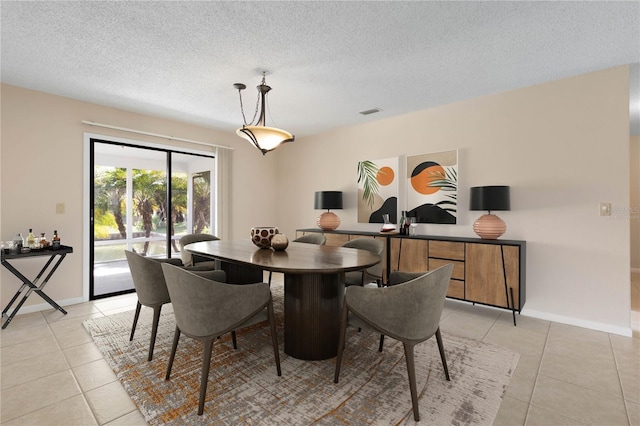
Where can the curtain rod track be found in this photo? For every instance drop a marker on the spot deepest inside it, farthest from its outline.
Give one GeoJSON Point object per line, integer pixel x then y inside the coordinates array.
{"type": "Point", "coordinates": [141, 132]}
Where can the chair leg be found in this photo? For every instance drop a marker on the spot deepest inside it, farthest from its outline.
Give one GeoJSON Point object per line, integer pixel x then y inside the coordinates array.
{"type": "Point", "coordinates": [341, 341]}
{"type": "Point", "coordinates": [135, 320]}
{"type": "Point", "coordinates": [154, 330]}
{"type": "Point", "coordinates": [234, 340]}
{"type": "Point", "coordinates": [176, 338]}
{"type": "Point", "coordinates": [411, 369]}
{"type": "Point", "coordinates": [381, 343]}
{"type": "Point", "coordinates": [204, 378]}
{"type": "Point", "coordinates": [274, 336]}
{"type": "Point", "coordinates": [443, 357]}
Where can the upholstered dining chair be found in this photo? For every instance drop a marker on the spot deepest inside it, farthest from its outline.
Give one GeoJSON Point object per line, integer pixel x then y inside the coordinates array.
{"type": "Point", "coordinates": [151, 288]}
{"type": "Point", "coordinates": [205, 309]}
{"type": "Point", "coordinates": [193, 261]}
{"type": "Point", "coordinates": [408, 311]}
{"type": "Point", "coordinates": [374, 245]}
{"type": "Point", "coordinates": [314, 238]}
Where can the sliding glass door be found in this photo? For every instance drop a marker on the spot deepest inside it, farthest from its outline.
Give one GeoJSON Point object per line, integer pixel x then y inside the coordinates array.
{"type": "Point", "coordinates": [143, 200]}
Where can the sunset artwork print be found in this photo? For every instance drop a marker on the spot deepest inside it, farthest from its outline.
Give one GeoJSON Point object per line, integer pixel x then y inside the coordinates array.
{"type": "Point", "coordinates": [432, 188]}
{"type": "Point", "coordinates": [378, 190]}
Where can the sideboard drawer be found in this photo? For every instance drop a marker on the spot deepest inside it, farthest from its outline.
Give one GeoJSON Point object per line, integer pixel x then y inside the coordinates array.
{"type": "Point", "coordinates": [458, 267]}
{"type": "Point", "coordinates": [456, 289]}
{"type": "Point", "coordinates": [446, 250]}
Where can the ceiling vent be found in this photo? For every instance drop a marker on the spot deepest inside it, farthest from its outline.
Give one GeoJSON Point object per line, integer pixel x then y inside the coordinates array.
{"type": "Point", "coordinates": [370, 111]}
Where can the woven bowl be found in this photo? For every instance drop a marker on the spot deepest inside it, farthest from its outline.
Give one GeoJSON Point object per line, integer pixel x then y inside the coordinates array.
{"type": "Point", "coordinates": [261, 235]}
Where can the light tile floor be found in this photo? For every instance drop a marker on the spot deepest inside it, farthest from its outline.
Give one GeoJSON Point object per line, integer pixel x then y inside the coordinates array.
{"type": "Point", "coordinates": [52, 373]}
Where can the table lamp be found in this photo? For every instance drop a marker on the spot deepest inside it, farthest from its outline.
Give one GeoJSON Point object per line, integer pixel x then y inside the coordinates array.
{"type": "Point", "coordinates": [489, 226]}
{"type": "Point", "coordinates": [328, 221]}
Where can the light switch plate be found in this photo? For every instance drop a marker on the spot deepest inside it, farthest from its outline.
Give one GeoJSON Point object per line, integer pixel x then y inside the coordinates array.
{"type": "Point", "coordinates": [605, 209]}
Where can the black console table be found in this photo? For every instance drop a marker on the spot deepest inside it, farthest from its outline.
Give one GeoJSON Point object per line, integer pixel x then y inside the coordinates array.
{"type": "Point", "coordinates": [29, 286]}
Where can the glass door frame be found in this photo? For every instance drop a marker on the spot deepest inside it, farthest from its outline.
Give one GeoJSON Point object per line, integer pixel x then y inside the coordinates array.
{"type": "Point", "coordinates": [88, 225]}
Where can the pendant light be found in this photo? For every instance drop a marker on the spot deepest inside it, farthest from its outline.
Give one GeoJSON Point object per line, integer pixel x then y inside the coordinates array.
{"type": "Point", "coordinates": [259, 135]}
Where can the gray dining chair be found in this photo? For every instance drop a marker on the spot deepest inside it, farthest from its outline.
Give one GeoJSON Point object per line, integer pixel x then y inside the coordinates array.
{"type": "Point", "coordinates": [205, 309]}
{"type": "Point", "coordinates": [193, 261]}
{"type": "Point", "coordinates": [313, 238]}
{"type": "Point", "coordinates": [375, 246]}
{"type": "Point", "coordinates": [151, 288]}
{"type": "Point", "coordinates": [408, 311]}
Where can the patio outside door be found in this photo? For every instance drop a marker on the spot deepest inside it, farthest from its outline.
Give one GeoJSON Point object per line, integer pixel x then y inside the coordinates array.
{"type": "Point", "coordinates": [135, 206]}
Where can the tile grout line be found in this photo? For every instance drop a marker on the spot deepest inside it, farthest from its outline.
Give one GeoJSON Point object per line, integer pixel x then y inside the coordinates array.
{"type": "Point", "coordinates": [535, 382]}
{"type": "Point", "coordinates": [48, 375]}
{"type": "Point", "coordinates": [615, 360]}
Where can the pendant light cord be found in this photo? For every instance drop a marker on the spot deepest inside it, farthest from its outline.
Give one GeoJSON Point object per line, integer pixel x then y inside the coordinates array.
{"type": "Point", "coordinates": [255, 113]}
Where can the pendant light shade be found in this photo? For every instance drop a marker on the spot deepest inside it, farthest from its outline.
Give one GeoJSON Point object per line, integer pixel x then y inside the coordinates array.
{"type": "Point", "coordinates": [259, 135]}
{"type": "Point", "coordinates": [265, 138]}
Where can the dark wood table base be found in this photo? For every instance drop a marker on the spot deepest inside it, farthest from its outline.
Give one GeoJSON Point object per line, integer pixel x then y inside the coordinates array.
{"type": "Point", "coordinates": [313, 304]}
{"type": "Point", "coordinates": [241, 274]}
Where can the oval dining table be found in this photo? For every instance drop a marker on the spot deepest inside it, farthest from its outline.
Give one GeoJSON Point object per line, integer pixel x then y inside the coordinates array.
{"type": "Point", "coordinates": [313, 286]}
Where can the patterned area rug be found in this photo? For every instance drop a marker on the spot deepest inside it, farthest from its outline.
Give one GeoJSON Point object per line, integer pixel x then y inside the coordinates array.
{"type": "Point", "coordinates": [244, 388]}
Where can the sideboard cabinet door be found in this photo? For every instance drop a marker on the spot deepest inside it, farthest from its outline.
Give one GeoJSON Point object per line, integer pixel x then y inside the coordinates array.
{"type": "Point", "coordinates": [485, 277]}
{"type": "Point", "coordinates": [409, 255]}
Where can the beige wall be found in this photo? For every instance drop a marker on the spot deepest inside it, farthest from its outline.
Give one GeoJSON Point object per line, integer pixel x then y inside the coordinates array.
{"type": "Point", "coordinates": [563, 147]}
{"type": "Point", "coordinates": [42, 164]}
{"type": "Point", "coordinates": [634, 212]}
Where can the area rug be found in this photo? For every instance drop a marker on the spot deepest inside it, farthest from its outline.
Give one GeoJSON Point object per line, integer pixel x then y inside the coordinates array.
{"type": "Point", "coordinates": [245, 389]}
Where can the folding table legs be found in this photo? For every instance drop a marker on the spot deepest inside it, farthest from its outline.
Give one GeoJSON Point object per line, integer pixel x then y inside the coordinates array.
{"type": "Point", "coordinates": [31, 287]}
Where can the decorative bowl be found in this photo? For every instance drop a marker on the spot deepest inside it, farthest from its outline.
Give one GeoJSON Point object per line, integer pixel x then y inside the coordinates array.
{"type": "Point", "coordinates": [261, 235]}
{"type": "Point", "coordinates": [279, 242]}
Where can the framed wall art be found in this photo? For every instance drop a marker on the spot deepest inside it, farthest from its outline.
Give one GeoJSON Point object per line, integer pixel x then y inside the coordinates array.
{"type": "Point", "coordinates": [432, 187]}
{"type": "Point", "coordinates": [378, 190]}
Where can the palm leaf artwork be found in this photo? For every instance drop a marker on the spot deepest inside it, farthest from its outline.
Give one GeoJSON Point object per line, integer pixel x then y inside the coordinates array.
{"type": "Point", "coordinates": [368, 174]}
{"type": "Point", "coordinates": [447, 183]}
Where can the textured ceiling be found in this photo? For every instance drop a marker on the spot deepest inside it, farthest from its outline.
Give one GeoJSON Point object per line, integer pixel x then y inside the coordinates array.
{"type": "Point", "coordinates": [327, 61]}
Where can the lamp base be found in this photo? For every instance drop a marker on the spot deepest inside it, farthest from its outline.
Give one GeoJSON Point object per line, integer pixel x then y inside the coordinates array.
{"type": "Point", "coordinates": [328, 221]}
{"type": "Point", "coordinates": [489, 227]}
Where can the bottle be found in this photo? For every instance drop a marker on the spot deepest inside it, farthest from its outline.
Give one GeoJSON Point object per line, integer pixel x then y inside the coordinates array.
{"type": "Point", "coordinates": [407, 223]}
{"type": "Point", "coordinates": [43, 240]}
{"type": "Point", "coordinates": [55, 241]}
{"type": "Point", "coordinates": [31, 239]}
{"type": "Point", "coordinates": [18, 242]}
{"type": "Point", "coordinates": [403, 219]}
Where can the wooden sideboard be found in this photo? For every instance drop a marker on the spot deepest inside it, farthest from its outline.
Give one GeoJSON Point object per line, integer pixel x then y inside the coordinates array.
{"type": "Point", "coordinates": [487, 272]}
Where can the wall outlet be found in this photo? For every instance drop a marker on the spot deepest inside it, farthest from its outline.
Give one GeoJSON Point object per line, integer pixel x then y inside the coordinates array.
{"type": "Point", "coordinates": [60, 208]}
{"type": "Point", "coordinates": [605, 209]}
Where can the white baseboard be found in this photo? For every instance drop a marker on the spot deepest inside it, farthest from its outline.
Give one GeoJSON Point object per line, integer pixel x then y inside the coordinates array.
{"type": "Point", "coordinates": [607, 328]}
{"type": "Point", "coordinates": [44, 306]}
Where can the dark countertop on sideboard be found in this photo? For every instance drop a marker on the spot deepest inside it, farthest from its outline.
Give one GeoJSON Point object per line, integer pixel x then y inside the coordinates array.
{"type": "Point", "coordinates": [419, 236]}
